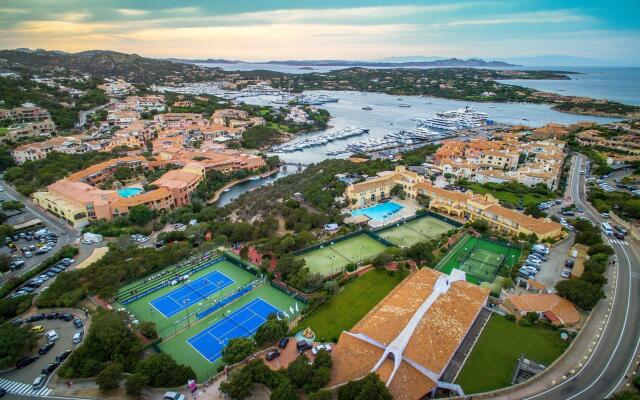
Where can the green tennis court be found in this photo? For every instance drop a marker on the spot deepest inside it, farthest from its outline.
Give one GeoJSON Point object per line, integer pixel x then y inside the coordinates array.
{"type": "Point", "coordinates": [145, 311]}
{"type": "Point", "coordinates": [333, 257]}
{"type": "Point", "coordinates": [415, 231]}
{"type": "Point", "coordinates": [481, 259]}
{"type": "Point", "coordinates": [179, 348]}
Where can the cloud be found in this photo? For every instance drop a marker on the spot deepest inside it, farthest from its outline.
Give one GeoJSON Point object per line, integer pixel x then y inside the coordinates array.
{"type": "Point", "coordinates": [73, 16]}
{"type": "Point", "coordinates": [540, 17]}
{"type": "Point", "coordinates": [13, 11]}
{"type": "Point", "coordinates": [129, 12]}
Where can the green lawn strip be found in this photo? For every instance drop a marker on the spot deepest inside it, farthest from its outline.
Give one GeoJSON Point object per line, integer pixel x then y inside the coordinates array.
{"type": "Point", "coordinates": [524, 200]}
{"type": "Point", "coordinates": [178, 348]}
{"type": "Point", "coordinates": [401, 236]}
{"type": "Point", "coordinates": [359, 248]}
{"type": "Point", "coordinates": [348, 307]}
{"type": "Point", "coordinates": [492, 361]}
{"type": "Point", "coordinates": [143, 309]}
{"type": "Point", "coordinates": [324, 261]}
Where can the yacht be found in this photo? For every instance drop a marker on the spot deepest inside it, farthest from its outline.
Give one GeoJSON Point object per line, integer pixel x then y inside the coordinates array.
{"type": "Point", "coordinates": [367, 108]}
{"type": "Point", "coordinates": [455, 119]}
{"type": "Point", "coordinates": [404, 105]}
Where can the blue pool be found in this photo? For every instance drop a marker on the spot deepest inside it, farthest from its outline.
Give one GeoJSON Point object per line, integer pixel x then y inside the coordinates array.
{"type": "Point", "coordinates": [129, 192]}
{"type": "Point", "coordinates": [380, 211]}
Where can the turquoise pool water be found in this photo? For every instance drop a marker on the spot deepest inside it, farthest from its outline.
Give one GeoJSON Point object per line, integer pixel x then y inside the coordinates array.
{"type": "Point", "coordinates": [380, 211]}
{"type": "Point", "coordinates": [129, 192]}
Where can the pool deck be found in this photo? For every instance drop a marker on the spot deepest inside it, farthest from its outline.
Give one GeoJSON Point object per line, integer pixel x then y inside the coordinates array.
{"type": "Point", "coordinates": [409, 210]}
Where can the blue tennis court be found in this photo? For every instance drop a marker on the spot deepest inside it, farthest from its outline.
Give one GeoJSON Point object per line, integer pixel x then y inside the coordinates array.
{"type": "Point", "coordinates": [243, 322]}
{"type": "Point", "coordinates": [190, 293]}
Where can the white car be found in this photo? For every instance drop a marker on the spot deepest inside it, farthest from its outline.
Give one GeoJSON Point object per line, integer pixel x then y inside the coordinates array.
{"type": "Point", "coordinates": [319, 347]}
{"type": "Point", "coordinates": [566, 273]}
{"type": "Point", "coordinates": [44, 277]}
{"type": "Point", "coordinates": [87, 241]}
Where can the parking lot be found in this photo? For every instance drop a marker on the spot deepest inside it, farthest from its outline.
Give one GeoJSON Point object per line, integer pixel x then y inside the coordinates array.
{"type": "Point", "coordinates": [15, 379]}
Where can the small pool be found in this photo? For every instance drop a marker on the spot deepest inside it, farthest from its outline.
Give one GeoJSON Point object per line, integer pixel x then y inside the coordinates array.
{"type": "Point", "coordinates": [380, 211]}
{"type": "Point", "coordinates": [129, 192]}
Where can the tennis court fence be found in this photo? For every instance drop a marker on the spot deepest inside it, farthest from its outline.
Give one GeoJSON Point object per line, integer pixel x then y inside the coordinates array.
{"type": "Point", "coordinates": [229, 298]}
{"type": "Point", "coordinates": [164, 278]}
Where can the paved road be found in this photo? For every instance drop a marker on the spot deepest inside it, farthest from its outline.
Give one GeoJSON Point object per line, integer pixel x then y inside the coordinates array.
{"type": "Point", "coordinates": [66, 234]}
{"type": "Point", "coordinates": [614, 354]}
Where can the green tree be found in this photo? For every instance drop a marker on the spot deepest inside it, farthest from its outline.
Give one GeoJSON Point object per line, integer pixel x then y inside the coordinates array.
{"type": "Point", "coordinates": [163, 371]}
{"type": "Point", "coordinates": [109, 340]}
{"type": "Point", "coordinates": [238, 386]}
{"type": "Point", "coordinates": [321, 395]}
{"type": "Point", "coordinates": [15, 342]}
{"type": "Point", "coordinates": [237, 350]}
{"type": "Point", "coordinates": [109, 378]}
{"type": "Point", "coordinates": [135, 383]}
{"type": "Point", "coordinates": [382, 259]}
{"type": "Point", "coordinates": [323, 360]}
{"type": "Point", "coordinates": [141, 215]}
{"type": "Point", "coordinates": [284, 391]}
{"type": "Point", "coordinates": [299, 371]}
{"type": "Point", "coordinates": [148, 330]}
{"type": "Point", "coordinates": [12, 205]}
{"type": "Point", "coordinates": [272, 330]}
{"type": "Point", "coordinates": [580, 292]}
{"type": "Point", "coordinates": [421, 253]}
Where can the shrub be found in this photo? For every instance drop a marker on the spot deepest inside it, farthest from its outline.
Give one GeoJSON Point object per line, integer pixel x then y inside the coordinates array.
{"type": "Point", "coordinates": [237, 350]}
{"type": "Point", "coordinates": [162, 371]}
{"type": "Point", "coordinates": [135, 383]}
{"type": "Point", "coordinates": [109, 378]}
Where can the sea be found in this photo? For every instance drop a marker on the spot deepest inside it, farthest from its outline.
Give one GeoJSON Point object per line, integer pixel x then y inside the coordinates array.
{"type": "Point", "coordinates": [618, 84]}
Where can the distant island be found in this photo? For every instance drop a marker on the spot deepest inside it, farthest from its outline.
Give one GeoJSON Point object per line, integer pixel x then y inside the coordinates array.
{"type": "Point", "coordinates": [449, 62]}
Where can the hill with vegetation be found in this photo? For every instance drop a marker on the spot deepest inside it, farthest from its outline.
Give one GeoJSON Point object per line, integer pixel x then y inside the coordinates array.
{"type": "Point", "coordinates": [102, 63]}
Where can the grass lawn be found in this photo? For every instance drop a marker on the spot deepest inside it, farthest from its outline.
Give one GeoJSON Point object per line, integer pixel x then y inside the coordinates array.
{"type": "Point", "coordinates": [523, 200]}
{"type": "Point", "coordinates": [348, 307]}
{"type": "Point", "coordinates": [490, 365]}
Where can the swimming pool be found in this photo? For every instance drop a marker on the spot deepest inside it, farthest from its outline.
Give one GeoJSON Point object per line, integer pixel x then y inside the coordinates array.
{"type": "Point", "coordinates": [129, 192]}
{"type": "Point", "coordinates": [380, 211]}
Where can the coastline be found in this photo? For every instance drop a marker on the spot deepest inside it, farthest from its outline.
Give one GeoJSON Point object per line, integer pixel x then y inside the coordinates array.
{"type": "Point", "coordinates": [216, 195]}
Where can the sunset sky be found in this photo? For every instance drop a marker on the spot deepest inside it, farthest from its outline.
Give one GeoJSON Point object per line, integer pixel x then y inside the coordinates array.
{"type": "Point", "coordinates": [328, 29]}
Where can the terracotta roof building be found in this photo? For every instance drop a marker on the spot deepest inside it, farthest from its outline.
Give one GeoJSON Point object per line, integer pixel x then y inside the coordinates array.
{"type": "Point", "coordinates": [556, 309]}
{"type": "Point", "coordinates": [410, 337]}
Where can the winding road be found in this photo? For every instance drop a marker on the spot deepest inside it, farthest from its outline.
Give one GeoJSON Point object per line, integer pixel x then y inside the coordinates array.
{"type": "Point", "coordinates": [611, 353]}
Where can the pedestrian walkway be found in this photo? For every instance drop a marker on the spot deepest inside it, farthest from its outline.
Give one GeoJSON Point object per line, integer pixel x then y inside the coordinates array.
{"type": "Point", "coordinates": [24, 389]}
{"type": "Point", "coordinates": [620, 242]}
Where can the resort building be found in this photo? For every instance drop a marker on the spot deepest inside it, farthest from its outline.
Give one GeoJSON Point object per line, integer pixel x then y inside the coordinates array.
{"type": "Point", "coordinates": [554, 308]}
{"type": "Point", "coordinates": [121, 119]}
{"type": "Point", "coordinates": [77, 200]}
{"type": "Point", "coordinates": [411, 336]}
{"type": "Point", "coordinates": [116, 88]}
{"type": "Point", "coordinates": [42, 128]}
{"type": "Point", "coordinates": [476, 207]}
{"type": "Point", "coordinates": [39, 150]}
{"type": "Point", "coordinates": [26, 113]}
{"type": "Point", "coordinates": [463, 206]}
{"type": "Point", "coordinates": [378, 188]}
{"type": "Point", "coordinates": [627, 143]}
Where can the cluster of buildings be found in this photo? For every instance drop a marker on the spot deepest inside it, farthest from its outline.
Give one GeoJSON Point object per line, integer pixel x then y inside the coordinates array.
{"type": "Point", "coordinates": [627, 142]}
{"type": "Point", "coordinates": [116, 87]}
{"type": "Point", "coordinates": [53, 83]}
{"type": "Point", "coordinates": [464, 206]}
{"type": "Point", "coordinates": [505, 159]}
{"type": "Point", "coordinates": [25, 121]}
{"type": "Point", "coordinates": [78, 200]}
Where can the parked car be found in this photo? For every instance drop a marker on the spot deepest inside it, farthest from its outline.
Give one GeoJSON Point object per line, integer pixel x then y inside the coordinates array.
{"type": "Point", "coordinates": [53, 315]}
{"type": "Point", "coordinates": [37, 329]}
{"type": "Point", "coordinates": [66, 316]}
{"type": "Point", "coordinates": [319, 347]}
{"type": "Point", "coordinates": [620, 229]}
{"type": "Point", "coordinates": [52, 336]}
{"type": "Point", "coordinates": [45, 349]}
{"type": "Point", "coordinates": [35, 317]}
{"type": "Point", "coordinates": [569, 263]}
{"type": "Point", "coordinates": [566, 273]}
{"type": "Point", "coordinates": [303, 346]}
{"type": "Point", "coordinates": [271, 354]}
{"type": "Point", "coordinates": [24, 361]}
{"type": "Point", "coordinates": [50, 368]}
{"type": "Point", "coordinates": [283, 342]}
{"type": "Point", "coordinates": [63, 356]}
{"type": "Point", "coordinates": [173, 396]}
{"type": "Point", "coordinates": [77, 337]}
{"type": "Point", "coordinates": [39, 382]}
{"type": "Point", "coordinates": [78, 323]}
{"type": "Point", "coordinates": [605, 215]}
{"type": "Point", "coordinates": [618, 235]}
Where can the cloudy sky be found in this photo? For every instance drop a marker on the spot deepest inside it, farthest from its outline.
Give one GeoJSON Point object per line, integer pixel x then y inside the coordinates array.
{"type": "Point", "coordinates": [329, 29]}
